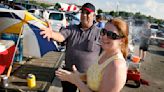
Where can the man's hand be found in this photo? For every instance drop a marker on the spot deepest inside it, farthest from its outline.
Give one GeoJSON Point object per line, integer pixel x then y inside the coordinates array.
{"type": "Point", "coordinates": [47, 32]}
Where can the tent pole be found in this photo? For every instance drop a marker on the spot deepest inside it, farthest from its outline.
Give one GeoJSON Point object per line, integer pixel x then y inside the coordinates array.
{"type": "Point", "coordinates": [10, 67]}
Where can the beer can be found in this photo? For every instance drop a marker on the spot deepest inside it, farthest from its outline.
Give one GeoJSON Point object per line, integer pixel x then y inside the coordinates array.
{"type": "Point", "coordinates": [31, 80]}
{"type": "Point", "coordinates": [4, 81]}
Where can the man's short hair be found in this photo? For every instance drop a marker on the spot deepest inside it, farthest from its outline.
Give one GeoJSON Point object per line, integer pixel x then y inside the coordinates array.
{"type": "Point", "coordinates": [89, 7]}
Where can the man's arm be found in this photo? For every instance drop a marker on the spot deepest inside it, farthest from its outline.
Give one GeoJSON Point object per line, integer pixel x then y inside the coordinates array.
{"type": "Point", "coordinates": [58, 37]}
{"type": "Point", "coordinates": [50, 34]}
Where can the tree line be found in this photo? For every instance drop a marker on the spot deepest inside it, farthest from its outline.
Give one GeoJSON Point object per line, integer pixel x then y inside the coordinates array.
{"type": "Point", "coordinates": [136, 15]}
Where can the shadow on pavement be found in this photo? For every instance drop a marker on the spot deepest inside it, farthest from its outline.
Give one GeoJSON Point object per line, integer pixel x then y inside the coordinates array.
{"type": "Point", "coordinates": [131, 86]}
{"type": "Point", "coordinates": [161, 53]}
{"type": "Point", "coordinates": [162, 61]}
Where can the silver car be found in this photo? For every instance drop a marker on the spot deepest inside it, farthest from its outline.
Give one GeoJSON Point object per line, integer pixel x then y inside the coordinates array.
{"type": "Point", "coordinates": [57, 19]}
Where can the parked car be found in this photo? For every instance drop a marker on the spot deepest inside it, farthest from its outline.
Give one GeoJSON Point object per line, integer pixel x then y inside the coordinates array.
{"type": "Point", "coordinates": [160, 34]}
{"type": "Point", "coordinates": [3, 6]}
{"type": "Point", "coordinates": [108, 17]}
{"type": "Point", "coordinates": [73, 19]}
{"type": "Point", "coordinates": [154, 30]}
{"type": "Point", "coordinates": [57, 19]}
{"type": "Point", "coordinates": [37, 13]}
{"type": "Point", "coordinates": [16, 7]}
{"type": "Point", "coordinates": [139, 22]}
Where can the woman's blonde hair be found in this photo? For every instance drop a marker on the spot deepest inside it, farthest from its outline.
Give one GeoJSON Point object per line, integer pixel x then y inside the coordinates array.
{"type": "Point", "coordinates": [123, 30]}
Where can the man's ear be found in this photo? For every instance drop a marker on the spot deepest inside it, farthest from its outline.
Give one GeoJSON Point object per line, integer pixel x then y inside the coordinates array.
{"type": "Point", "coordinates": [94, 15]}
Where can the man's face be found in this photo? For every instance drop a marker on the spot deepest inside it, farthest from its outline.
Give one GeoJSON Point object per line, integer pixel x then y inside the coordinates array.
{"type": "Point", "coordinates": [87, 18]}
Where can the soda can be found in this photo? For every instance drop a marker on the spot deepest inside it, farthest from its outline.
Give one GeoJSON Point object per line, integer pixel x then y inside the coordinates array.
{"type": "Point", "coordinates": [4, 81]}
{"type": "Point", "coordinates": [31, 80]}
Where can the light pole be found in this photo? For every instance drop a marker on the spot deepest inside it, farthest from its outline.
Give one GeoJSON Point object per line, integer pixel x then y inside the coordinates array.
{"type": "Point", "coordinates": [117, 6]}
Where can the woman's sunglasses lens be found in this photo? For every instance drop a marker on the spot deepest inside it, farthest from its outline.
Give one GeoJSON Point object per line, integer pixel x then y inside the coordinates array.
{"type": "Point", "coordinates": [109, 34]}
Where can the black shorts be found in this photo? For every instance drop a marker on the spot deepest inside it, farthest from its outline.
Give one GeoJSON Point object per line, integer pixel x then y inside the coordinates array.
{"type": "Point", "coordinates": [144, 48]}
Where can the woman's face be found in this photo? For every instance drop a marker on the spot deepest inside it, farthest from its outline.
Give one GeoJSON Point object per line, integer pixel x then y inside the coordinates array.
{"type": "Point", "coordinates": [107, 42]}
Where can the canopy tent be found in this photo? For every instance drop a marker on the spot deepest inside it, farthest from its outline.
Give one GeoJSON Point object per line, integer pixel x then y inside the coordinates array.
{"type": "Point", "coordinates": [20, 21]}
{"type": "Point", "coordinates": [13, 21]}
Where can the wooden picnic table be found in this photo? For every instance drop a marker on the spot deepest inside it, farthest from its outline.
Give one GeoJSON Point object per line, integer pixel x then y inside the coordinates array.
{"type": "Point", "coordinates": [43, 69]}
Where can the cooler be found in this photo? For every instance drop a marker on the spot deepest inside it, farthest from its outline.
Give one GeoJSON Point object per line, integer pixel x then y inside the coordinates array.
{"type": "Point", "coordinates": [7, 48]}
{"type": "Point", "coordinates": [14, 37]}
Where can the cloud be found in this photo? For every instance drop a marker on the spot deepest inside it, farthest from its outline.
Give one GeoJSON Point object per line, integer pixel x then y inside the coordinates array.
{"type": "Point", "coordinates": [131, 1]}
{"type": "Point", "coordinates": [147, 7]}
{"type": "Point", "coordinates": [151, 5]}
{"type": "Point", "coordinates": [160, 1]}
{"type": "Point", "coordinates": [154, 8]}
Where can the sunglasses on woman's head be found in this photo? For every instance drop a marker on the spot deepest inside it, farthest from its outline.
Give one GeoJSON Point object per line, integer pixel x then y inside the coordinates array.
{"type": "Point", "coordinates": [110, 34]}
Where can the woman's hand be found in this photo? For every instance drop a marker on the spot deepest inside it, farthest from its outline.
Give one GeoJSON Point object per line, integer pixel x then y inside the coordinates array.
{"type": "Point", "coordinates": [47, 32]}
{"type": "Point", "coordinates": [72, 77]}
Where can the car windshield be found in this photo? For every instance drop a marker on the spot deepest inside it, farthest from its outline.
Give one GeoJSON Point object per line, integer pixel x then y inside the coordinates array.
{"type": "Point", "coordinates": [71, 17]}
{"type": "Point", "coordinates": [56, 16]}
{"type": "Point", "coordinates": [139, 22]}
{"type": "Point", "coordinates": [154, 26]}
{"type": "Point", "coordinates": [2, 6]}
{"type": "Point", "coordinates": [32, 11]}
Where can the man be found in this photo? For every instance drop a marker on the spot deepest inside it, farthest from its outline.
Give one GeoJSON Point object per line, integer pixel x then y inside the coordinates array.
{"type": "Point", "coordinates": [82, 49]}
{"type": "Point", "coordinates": [144, 43]}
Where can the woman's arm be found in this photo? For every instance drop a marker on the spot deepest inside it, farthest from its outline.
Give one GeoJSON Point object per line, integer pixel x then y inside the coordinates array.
{"type": "Point", "coordinates": [82, 87]}
{"type": "Point", "coordinates": [74, 78]}
{"type": "Point", "coordinates": [114, 77]}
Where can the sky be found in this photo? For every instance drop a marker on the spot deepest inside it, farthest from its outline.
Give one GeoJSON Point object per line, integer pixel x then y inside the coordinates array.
{"type": "Point", "coordinates": [154, 8]}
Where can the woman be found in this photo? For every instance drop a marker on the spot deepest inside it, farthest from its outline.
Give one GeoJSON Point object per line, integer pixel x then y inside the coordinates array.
{"type": "Point", "coordinates": [108, 74]}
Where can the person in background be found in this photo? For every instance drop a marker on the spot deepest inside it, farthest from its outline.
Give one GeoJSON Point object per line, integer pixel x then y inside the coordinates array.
{"type": "Point", "coordinates": [99, 20]}
{"type": "Point", "coordinates": [100, 24]}
{"type": "Point", "coordinates": [82, 46]}
{"type": "Point", "coordinates": [109, 73]}
{"type": "Point", "coordinates": [144, 41]}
